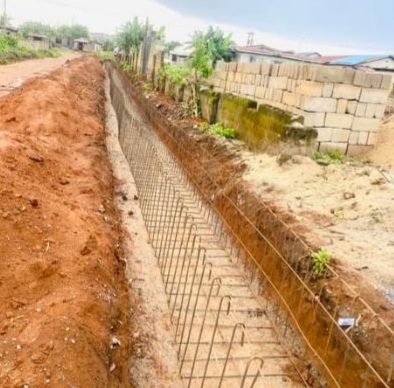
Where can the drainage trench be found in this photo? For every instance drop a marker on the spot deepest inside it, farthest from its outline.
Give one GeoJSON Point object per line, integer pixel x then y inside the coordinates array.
{"type": "Point", "coordinates": [230, 328]}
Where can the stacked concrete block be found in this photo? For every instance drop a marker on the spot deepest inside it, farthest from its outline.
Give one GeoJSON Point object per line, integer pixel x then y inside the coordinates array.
{"type": "Point", "coordinates": [345, 105]}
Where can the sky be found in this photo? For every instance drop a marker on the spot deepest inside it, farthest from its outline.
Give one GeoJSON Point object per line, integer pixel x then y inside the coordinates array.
{"type": "Point", "coordinates": [327, 26]}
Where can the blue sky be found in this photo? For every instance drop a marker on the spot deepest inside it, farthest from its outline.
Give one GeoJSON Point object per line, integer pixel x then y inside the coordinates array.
{"type": "Point", "coordinates": [365, 24]}
{"type": "Point", "coordinates": [328, 26]}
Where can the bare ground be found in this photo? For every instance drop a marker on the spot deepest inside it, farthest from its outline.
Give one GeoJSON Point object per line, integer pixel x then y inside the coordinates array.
{"type": "Point", "coordinates": [63, 297]}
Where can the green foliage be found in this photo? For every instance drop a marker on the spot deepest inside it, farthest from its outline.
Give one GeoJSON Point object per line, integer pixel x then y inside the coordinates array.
{"type": "Point", "coordinates": [177, 74]}
{"type": "Point", "coordinates": [320, 261]}
{"type": "Point", "coordinates": [171, 46]}
{"type": "Point", "coordinates": [127, 67]}
{"type": "Point", "coordinates": [130, 36]}
{"type": "Point", "coordinates": [208, 48]}
{"type": "Point", "coordinates": [36, 28]}
{"type": "Point", "coordinates": [148, 87]}
{"type": "Point", "coordinates": [218, 130]}
{"type": "Point", "coordinates": [75, 31]}
{"type": "Point", "coordinates": [11, 51]}
{"type": "Point", "coordinates": [105, 55]}
{"type": "Point", "coordinates": [333, 157]}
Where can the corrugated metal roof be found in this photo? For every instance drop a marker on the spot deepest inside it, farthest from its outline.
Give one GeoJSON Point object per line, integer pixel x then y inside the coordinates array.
{"type": "Point", "coordinates": [354, 60]}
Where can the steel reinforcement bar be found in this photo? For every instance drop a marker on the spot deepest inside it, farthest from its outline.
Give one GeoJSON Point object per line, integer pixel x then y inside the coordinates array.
{"type": "Point", "coordinates": [278, 264]}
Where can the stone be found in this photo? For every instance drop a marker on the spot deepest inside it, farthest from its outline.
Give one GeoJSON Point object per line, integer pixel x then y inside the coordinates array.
{"type": "Point", "coordinates": [309, 88]}
{"type": "Point", "coordinates": [348, 92]}
{"type": "Point", "coordinates": [337, 120]}
{"type": "Point", "coordinates": [376, 96]}
{"type": "Point", "coordinates": [340, 135]}
{"type": "Point", "coordinates": [364, 124]}
{"type": "Point", "coordinates": [319, 104]}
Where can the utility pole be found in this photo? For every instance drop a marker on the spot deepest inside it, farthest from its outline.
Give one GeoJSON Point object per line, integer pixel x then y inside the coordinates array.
{"type": "Point", "coordinates": [250, 39]}
{"type": "Point", "coordinates": [5, 14]}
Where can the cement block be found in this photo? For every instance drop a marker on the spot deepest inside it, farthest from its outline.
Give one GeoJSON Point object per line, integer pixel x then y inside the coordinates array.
{"type": "Point", "coordinates": [348, 92]}
{"type": "Point", "coordinates": [291, 99]}
{"type": "Point", "coordinates": [260, 92]}
{"type": "Point", "coordinates": [375, 111]}
{"type": "Point", "coordinates": [252, 68]}
{"type": "Point", "coordinates": [360, 110]}
{"type": "Point", "coordinates": [335, 75]}
{"type": "Point", "coordinates": [368, 80]}
{"type": "Point", "coordinates": [340, 135]}
{"type": "Point", "coordinates": [309, 88]}
{"type": "Point", "coordinates": [363, 138]}
{"type": "Point", "coordinates": [387, 81]}
{"type": "Point", "coordinates": [278, 83]}
{"type": "Point", "coordinates": [337, 120]}
{"type": "Point", "coordinates": [319, 104]}
{"type": "Point", "coordinates": [314, 119]}
{"type": "Point", "coordinates": [342, 106]}
{"type": "Point", "coordinates": [376, 96]}
{"type": "Point", "coordinates": [331, 146]}
{"type": "Point", "coordinates": [353, 138]}
{"type": "Point", "coordinates": [266, 68]}
{"type": "Point", "coordinates": [363, 124]}
{"type": "Point", "coordinates": [238, 77]}
{"type": "Point", "coordinates": [324, 134]}
{"type": "Point", "coordinates": [328, 89]}
{"type": "Point", "coordinates": [351, 107]}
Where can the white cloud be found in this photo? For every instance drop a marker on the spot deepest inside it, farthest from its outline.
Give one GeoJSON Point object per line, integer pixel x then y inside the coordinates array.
{"type": "Point", "coordinates": [107, 16]}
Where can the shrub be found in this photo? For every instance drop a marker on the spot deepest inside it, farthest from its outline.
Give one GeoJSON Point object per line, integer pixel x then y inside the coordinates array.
{"type": "Point", "coordinates": [218, 130]}
{"type": "Point", "coordinates": [333, 157]}
{"type": "Point", "coordinates": [177, 74]}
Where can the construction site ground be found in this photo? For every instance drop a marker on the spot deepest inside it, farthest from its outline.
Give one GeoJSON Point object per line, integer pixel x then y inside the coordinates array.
{"type": "Point", "coordinates": [78, 307]}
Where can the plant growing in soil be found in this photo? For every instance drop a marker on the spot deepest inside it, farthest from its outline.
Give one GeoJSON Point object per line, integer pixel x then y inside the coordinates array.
{"type": "Point", "coordinates": [333, 157]}
{"type": "Point", "coordinates": [127, 67]}
{"type": "Point", "coordinates": [220, 130]}
{"type": "Point", "coordinates": [320, 261]}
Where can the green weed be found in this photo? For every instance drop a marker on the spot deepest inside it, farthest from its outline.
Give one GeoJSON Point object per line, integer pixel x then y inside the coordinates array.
{"type": "Point", "coordinates": [333, 157]}
{"type": "Point", "coordinates": [320, 261]}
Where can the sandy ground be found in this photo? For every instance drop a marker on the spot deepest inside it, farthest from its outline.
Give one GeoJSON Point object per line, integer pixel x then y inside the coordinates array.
{"type": "Point", "coordinates": [63, 296]}
{"type": "Point", "coordinates": [347, 209]}
{"type": "Point", "coordinates": [13, 75]}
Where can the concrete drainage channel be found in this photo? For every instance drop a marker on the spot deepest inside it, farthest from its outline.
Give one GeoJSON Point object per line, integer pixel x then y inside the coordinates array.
{"type": "Point", "coordinates": [227, 331]}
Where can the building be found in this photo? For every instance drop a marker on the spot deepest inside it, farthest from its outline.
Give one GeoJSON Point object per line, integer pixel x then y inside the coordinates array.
{"type": "Point", "coordinates": [262, 53]}
{"type": "Point", "coordinates": [180, 55]}
{"type": "Point", "coordinates": [83, 44]}
{"type": "Point", "coordinates": [37, 42]}
{"type": "Point", "coordinates": [8, 30]}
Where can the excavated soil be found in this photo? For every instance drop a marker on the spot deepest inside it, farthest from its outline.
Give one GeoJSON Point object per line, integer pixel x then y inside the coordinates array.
{"type": "Point", "coordinates": [219, 167]}
{"type": "Point", "coordinates": [63, 298]}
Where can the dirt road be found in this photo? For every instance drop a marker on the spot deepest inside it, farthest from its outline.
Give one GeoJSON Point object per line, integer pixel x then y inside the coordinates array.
{"type": "Point", "coordinates": [63, 298]}
{"type": "Point", "coordinates": [12, 76]}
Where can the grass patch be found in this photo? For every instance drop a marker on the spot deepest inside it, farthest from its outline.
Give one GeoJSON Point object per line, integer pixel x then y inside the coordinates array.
{"type": "Point", "coordinates": [325, 159]}
{"type": "Point", "coordinates": [218, 130]}
{"type": "Point", "coordinates": [12, 51]}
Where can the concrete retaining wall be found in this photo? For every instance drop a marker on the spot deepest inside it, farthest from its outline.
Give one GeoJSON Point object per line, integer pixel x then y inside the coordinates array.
{"type": "Point", "coordinates": [345, 105]}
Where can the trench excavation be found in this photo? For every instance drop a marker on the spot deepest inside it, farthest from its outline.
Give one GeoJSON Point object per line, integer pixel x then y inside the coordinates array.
{"type": "Point", "coordinates": [242, 317]}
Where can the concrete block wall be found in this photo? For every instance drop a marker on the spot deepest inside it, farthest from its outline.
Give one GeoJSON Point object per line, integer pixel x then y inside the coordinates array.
{"type": "Point", "coordinates": [346, 106]}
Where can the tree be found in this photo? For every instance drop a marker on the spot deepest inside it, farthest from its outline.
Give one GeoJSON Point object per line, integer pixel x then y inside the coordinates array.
{"type": "Point", "coordinates": [208, 48]}
{"type": "Point", "coordinates": [171, 46]}
{"type": "Point", "coordinates": [73, 32]}
{"type": "Point", "coordinates": [130, 36]}
{"type": "Point", "coordinates": [36, 28]}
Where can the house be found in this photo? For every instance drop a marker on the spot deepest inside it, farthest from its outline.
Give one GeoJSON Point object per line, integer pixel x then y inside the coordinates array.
{"type": "Point", "coordinates": [83, 44]}
{"type": "Point", "coordinates": [8, 30]}
{"type": "Point", "coordinates": [262, 53]}
{"type": "Point", "coordinates": [180, 55]}
{"type": "Point", "coordinates": [36, 42]}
